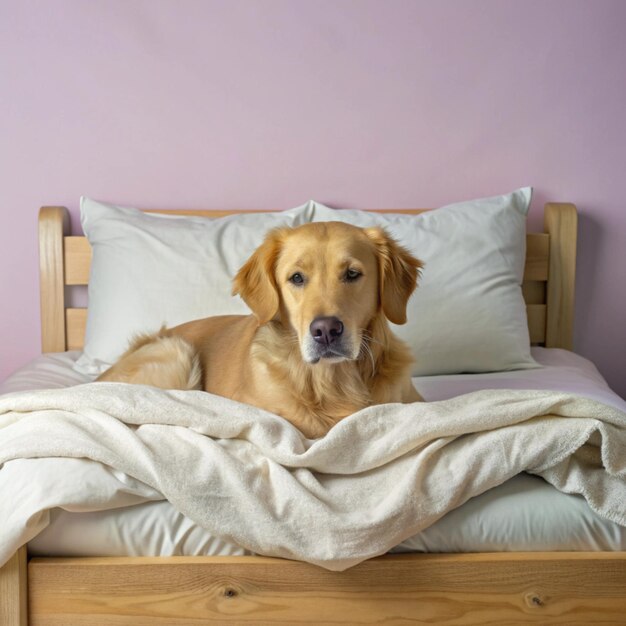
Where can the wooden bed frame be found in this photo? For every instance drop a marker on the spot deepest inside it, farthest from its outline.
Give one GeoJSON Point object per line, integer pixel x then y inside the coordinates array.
{"type": "Point", "coordinates": [493, 588]}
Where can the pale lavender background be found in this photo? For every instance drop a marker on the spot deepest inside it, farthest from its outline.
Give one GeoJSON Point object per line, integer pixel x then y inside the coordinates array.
{"type": "Point", "coordinates": [221, 104]}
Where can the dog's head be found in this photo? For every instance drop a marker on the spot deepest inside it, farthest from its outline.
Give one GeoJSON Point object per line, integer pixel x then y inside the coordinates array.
{"type": "Point", "coordinates": [328, 281]}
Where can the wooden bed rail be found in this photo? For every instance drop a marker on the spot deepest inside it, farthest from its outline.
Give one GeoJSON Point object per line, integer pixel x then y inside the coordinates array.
{"type": "Point", "coordinates": [548, 286]}
{"type": "Point", "coordinates": [495, 588]}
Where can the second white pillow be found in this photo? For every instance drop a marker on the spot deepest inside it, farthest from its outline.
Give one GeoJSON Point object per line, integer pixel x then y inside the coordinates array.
{"type": "Point", "coordinates": [468, 313]}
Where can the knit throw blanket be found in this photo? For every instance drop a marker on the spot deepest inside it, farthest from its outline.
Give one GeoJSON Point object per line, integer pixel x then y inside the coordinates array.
{"type": "Point", "coordinates": [250, 477]}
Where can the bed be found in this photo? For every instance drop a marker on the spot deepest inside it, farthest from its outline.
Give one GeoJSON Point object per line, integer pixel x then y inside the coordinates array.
{"type": "Point", "coordinates": [482, 587]}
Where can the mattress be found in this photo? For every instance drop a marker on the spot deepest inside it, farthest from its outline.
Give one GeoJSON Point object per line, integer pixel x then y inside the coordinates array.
{"type": "Point", "coordinates": [523, 514]}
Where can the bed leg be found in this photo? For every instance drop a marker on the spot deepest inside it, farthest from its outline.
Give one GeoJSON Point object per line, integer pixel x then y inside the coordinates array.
{"type": "Point", "coordinates": [13, 590]}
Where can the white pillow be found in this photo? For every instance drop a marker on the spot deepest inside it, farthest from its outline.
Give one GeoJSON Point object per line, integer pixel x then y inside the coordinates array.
{"type": "Point", "coordinates": [148, 270]}
{"type": "Point", "coordinates": [468, 313]}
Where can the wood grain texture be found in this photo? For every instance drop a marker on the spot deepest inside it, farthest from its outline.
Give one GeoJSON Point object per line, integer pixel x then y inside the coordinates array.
{"type": "Point", "coordinates": [53, 225]}
{"type": "Point", "coordinates": [75, 327]}
{"type": "Point", "coordinates": [77, 260]}
{"type": "Point", "coordinates": [14, 590]}
{"type": "Point", "coordinates": [503, 588]}
{"type": "Point", "coordinates": [536, 315]}
{"type": "Point", "coordinates": [537, 255]}
{"type": "Point", "coordinates": [561, 222]}
{"type": "Point", "coordinates": [534, 291]}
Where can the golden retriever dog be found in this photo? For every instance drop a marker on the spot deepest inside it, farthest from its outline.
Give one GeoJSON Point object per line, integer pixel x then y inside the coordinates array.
{"type": "Point", "coordinates": [318, 346]}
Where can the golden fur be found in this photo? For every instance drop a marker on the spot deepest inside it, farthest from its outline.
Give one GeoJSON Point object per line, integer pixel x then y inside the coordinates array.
{"type": "Point", "coordinates": [318, 346]}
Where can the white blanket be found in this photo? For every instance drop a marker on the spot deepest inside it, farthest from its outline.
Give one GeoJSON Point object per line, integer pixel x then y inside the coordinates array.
{"type": "Point", "coordinates": [378, 477]}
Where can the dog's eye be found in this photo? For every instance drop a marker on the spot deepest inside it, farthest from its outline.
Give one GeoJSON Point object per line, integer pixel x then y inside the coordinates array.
{"type": "Point", "coordinates": [297, 279]}
{"type": "Point", "coordinates": [352, 275]}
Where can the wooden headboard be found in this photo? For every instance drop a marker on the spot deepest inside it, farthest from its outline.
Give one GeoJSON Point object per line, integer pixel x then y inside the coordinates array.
{"type": "Point", "coordinates": [548, 285]}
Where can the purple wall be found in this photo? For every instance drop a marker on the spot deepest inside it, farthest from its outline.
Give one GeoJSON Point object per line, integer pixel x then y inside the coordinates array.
{"type": "Point", "coordinates": [220, 104]}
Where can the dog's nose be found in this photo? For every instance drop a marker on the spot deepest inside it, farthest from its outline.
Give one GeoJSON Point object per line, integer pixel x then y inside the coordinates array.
{"type": "Point", "coordinates": [325, 330]}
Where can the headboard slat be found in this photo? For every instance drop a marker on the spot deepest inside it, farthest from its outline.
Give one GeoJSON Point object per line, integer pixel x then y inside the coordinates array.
{"type": "Point", "coordinates": [534, 291]}
{"type": "Point", "coordinates": [75, 326]}
{"type": "Point", "coordinates": [536, 314]}
{"type": "Point", "coordinates": [537, 255]}
{"type": "Point", "coordinates": [77, 257]}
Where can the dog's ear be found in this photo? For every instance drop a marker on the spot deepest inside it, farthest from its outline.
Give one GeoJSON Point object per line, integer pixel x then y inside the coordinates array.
{"type": "Point", "coordinates": [398, 273]}
{"type": "Point", "coordinates": [255, 281]}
